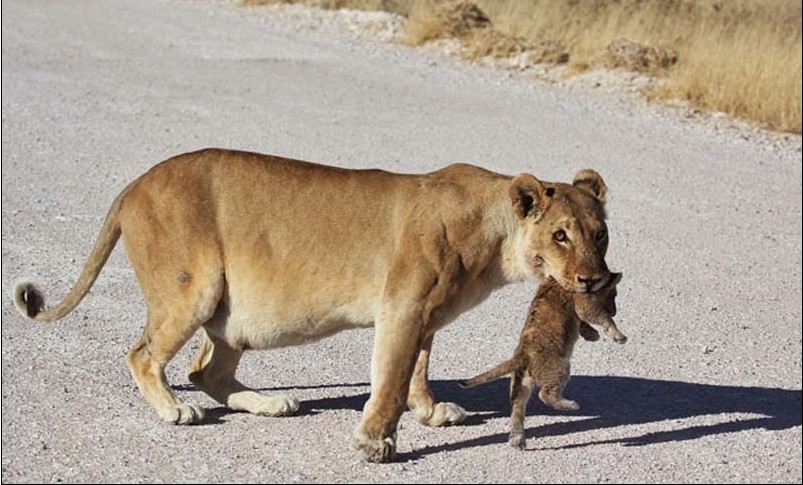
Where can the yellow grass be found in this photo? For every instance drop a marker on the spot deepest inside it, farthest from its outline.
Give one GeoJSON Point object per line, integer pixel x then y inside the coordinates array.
{"type": "Point", "coordinates": [754, 76]}
{"type": "Point", "coordinates": [742, 57]}
{"type": "Point", "coordinates": [396, 6]}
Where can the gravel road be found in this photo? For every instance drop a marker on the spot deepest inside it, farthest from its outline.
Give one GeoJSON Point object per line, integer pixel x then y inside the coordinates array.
{"type": "Point", "coordinates": [705, 225]}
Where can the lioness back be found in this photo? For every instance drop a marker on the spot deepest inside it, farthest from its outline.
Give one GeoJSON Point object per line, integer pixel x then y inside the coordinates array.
{"type": "Point", "coordinates": [305, 248]}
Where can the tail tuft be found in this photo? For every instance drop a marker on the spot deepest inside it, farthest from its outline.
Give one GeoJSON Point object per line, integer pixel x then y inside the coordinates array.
{"type": "Point", "coordinates": [28, 299]}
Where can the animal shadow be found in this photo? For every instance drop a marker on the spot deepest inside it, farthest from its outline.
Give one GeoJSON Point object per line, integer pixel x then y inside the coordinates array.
{"type": "Point", "coordinates": [606, 401]}
{"type": "Point", "coordinates": [610, 401]}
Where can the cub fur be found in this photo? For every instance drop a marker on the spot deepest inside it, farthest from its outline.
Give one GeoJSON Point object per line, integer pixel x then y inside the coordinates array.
{"type": "Point", "coordinates": [543, 354]}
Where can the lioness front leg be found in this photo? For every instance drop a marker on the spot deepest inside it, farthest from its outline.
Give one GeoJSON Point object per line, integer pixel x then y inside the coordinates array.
{"type": "Point", "coordinates": [399, 328]}
{"type": "Point", "coordinates": [420, 399]}
{"type": "Point", "coordinates": [213, 372]}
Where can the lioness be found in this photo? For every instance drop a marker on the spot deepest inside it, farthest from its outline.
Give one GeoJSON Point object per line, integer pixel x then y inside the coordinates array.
{"type": "Point", "coordinates": [263, 252]}
{"type": "Point", "coordinates": [543, 355]}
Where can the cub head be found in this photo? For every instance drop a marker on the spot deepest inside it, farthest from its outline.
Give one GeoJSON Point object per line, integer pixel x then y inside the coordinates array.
{"type": "Point", "coordinates": [561, 230]}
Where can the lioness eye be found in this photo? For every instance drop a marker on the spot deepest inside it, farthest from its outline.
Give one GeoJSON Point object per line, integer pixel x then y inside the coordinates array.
{"type": "Point", "coordinates": [559, 236]}
{"type": "Point", "coordinates": [602, 234]}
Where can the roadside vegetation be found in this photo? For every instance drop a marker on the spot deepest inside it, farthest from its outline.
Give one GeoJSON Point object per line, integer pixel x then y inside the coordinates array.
{"type": "Point", "coordinates": [741, 57]}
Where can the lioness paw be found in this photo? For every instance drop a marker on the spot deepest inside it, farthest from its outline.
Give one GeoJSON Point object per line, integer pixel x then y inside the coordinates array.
{"type": "Point", "coordinates": [517, 441]}
{"type": "Point", "coordinates": [446, 414]}
{"type": "Point", "coordinates": [375, 450]}
{"type": "Point", "coordinates": [182, 414]}
{"type": "Point", "coordinates": [256, 403]}
{"type": "Point", "coordinates": [276, 406]}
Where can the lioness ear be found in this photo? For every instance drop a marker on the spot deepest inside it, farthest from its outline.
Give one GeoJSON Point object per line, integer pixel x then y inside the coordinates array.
{"type": "Point", "coordinates": [591, 182]}
{"type": "Point", "coordinates": [529, 196]}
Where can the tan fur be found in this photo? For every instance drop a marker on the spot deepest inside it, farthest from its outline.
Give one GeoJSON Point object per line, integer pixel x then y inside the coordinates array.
{"type": "Point", "coordinates": [263, 252]}
{"type": "Point", "coordinates": [543, 354]}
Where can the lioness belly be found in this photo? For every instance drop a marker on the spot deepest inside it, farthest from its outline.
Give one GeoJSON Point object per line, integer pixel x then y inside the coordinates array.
{"type": "Point", "coordinates": [264, 323]}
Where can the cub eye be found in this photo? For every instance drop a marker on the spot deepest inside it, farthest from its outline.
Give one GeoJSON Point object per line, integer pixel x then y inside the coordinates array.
{"type": "Point", "coordinates": [602, 234]}
{"type": "Point", "coordinates": [559, 236]}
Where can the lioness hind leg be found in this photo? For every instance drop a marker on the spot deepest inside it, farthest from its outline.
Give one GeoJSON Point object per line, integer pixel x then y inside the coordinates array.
{"type": "Point", "coordinates": [420, 399]}
{"type": "Point", "coordinates": [170, 235]}
{"type": "Point", "coordinates": [175, 312]}
{"type": "Point", "coordinates": [147, 360]}
{"type": "Point", "coordinates": [213, 372]}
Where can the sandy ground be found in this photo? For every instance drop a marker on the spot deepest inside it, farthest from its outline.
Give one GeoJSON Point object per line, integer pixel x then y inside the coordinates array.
{"type": "Point", "coordinates": [705, 224]}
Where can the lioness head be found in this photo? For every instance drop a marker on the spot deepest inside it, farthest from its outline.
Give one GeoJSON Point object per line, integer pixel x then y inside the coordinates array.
{"type": "Point", "coordinates": [561, 230]}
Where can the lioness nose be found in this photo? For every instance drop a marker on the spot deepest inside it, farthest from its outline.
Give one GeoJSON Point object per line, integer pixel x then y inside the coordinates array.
{"type": "Point", "coordinates": [589, 282]}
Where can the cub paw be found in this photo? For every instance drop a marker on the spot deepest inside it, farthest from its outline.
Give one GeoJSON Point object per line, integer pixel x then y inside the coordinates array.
{"type": "Point", "coordinates": [589, 333]}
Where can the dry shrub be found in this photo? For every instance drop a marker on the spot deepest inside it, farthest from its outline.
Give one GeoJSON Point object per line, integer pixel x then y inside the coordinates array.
{"type": "Point", "coordinates": [430, 21]}
{"type": "Point", "coordinates": [464, 20]}
{"type": "Point", "coordinates": [636, 57]}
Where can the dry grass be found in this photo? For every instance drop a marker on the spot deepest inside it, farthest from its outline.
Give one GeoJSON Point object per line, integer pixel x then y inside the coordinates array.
{"type": "Point", "coordinates": [742, 57]}
{"type": "Point", "coordinates": [395, 6]}
{"type": "Point", "coordinates": [750, 75]}
{"type": "Point", "coordinates": [465, 21]}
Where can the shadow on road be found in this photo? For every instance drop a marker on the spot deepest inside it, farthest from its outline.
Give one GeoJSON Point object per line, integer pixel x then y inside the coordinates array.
{"type": "Point", "coordinates": [620, 401]}
{"type": "Point", "coordinates": [607, 402]}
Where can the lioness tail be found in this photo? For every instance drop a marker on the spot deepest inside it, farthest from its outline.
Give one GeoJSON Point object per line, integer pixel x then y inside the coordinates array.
{"type": "Point", "coordinates": [29, 299]}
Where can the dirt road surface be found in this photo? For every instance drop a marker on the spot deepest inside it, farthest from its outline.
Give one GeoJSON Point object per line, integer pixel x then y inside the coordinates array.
{"type": "Point", "coordinates": [706, 226]}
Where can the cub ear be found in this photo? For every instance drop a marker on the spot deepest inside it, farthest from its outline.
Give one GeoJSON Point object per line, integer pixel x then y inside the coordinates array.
{"type": "Point", "coordinates": [529, 196]}
{"type": "Point", "coordinates": [591, 182]}
{"type": "Point", "coordinates": [616, 278]}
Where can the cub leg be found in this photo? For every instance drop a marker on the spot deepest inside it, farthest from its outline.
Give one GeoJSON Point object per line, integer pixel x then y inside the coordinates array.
{"type": "Point", "coordinates": [610, 328]}
{"type": "Point", "coordinates": [521, 388]}
{"type": "Point", "coordinates": [553, 382]}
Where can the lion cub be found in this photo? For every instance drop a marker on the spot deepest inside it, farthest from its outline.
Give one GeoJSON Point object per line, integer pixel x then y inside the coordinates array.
{"type": "Point", "coordinates": [546, 344]}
